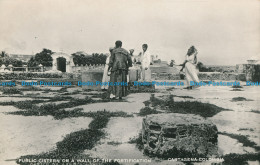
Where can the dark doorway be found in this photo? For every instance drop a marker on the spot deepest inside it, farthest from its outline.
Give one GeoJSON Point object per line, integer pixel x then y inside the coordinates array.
{"type": "Point", "coordinates": [61, 64]}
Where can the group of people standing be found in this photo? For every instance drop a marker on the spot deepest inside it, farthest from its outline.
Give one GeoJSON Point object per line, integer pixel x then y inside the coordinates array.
{"type": "Point", "coordinates": [119, 61]}
{"type": "Point", "coordinates": [117, 67]}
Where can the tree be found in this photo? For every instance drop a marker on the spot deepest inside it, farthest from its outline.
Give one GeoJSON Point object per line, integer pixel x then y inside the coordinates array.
{"type": "Point", "coordinates": [44, 58]}
{"type": "Point", "coordinates": [203, 68]}
{"type": "Point", "coordinates": [200, 66]}
{"type": "Point", "coordinates": [6, 60]}
{"type": "Point", "coordinates": [3, 54]}
{"type": "Point", "coordinates": [32, 62]}
{"type": "Point", "coordinates": [84, 59]}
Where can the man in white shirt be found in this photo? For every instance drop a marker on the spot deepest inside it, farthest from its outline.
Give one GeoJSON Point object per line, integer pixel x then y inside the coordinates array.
{"type": "Point", "coordinates": [145, 67]}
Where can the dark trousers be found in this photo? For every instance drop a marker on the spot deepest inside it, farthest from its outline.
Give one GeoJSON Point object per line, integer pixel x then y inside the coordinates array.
{"type": "Point", "coordinates": [120, 78]}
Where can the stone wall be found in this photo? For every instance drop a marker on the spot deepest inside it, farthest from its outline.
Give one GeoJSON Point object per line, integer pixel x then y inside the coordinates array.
{"type": "Point", "coordinates": [178, 135]}
{"type": "Point", "coordinates": [251, 71]}
{"type": "Point", "coordinates": [202, 76]}
{"type": "Point", "coordinates": [82, 68]}
{"type": "Point", "coordinates": [92, 76]}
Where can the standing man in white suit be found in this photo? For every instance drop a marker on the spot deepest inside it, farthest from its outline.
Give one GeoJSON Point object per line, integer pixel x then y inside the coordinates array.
{"type": "Point", "coordinates": [145, 67]}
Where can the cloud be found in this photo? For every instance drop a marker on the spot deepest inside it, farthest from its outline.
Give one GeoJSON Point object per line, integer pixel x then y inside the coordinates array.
{"type": "Point", "coordinates": [224, 32]}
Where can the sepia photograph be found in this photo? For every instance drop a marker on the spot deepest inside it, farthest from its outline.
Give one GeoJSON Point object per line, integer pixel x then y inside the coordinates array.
{"type": "Point", "coordinates": [130, 82]}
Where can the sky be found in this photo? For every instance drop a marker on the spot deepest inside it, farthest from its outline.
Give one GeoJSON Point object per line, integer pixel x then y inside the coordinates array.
{"type": "Point", "coordinates": [225, 32]}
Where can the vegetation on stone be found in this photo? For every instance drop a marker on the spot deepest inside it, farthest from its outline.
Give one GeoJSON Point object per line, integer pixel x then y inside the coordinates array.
{"type": "Point", "coordinates": [179, 135]}
{"type": "Point", "coordinates": [147, 111]}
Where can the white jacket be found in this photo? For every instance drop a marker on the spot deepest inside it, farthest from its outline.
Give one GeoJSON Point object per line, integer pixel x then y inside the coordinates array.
{"type": "Point", "coordinates": [146, 59]}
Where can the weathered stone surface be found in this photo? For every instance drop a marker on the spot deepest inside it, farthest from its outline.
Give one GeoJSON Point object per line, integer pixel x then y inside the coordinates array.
{"type": "Point", "coordinates": [133, 74]}
{"type": "Point", "coordinates": [92, 76]}
{"type": "Point", "coordinates": [179, 134]}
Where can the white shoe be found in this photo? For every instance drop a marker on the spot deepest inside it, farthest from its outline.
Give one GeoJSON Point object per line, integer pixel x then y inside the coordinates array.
{"type": "Point", "coordinates": [112, 96]}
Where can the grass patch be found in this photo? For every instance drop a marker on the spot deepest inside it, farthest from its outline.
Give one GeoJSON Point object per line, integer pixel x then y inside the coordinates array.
{"type": "Point", "coordinates": [57, 110]}
{"type": "Point", "coordinates": [234, 99]}
{"type": "Point", "coordinates": [30, 88]}
{"type": "Point", "coordinates": [170, 88]}
{"type": "Point", "coordinates": [185, 97]}
{"type": "Point", "coordinates": [241, 139]}
{"type": "Point", "coordinates": [185, 107]}
{"type": "Point", "coordinates": [59, 114]}
{"type": "Point", "coordinates": [255, 111]}
{"type": "Point", "coordinates": [100, 121]}
{"type": "Point", "coordinates": [28, 104]}
{"type": "Point", "coordinates": [79, 141]}
{"type": "Point", "coordinates": [195, 107]}
{"type": "Point", "coordinates": [101, 118]}
{"type": "Point", "coordinates": [138, 141]}
{"type": "Point", "coordinates": [147, 111]}
{"type": "Point", "coordinates": [240, 159]}
{"type": "Point", "coordinates": [236, 89]}
{"type": "Point", "coordinates": [70, 147]}
{"type": "Point", "coordinates": [103, 95]}
{"type": "Point", "coordinates": [11, 91]}
{"type": "Point", "coordinates": [236, 86]}
{"type": "Point", "coordinates": [72, 93]}
{"type": "Point", "coordinates": [75, 143]}
{"type": "Point", "coordinates": [246, 129]}
{"type": "Point", "coordinates": [113, 143]}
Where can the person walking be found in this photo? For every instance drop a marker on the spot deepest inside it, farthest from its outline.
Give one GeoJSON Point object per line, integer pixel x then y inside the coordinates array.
{"type": "Point", "coordinates": [190, 66]}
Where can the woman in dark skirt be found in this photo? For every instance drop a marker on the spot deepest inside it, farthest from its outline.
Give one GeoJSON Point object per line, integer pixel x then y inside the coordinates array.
{"type": "Point", "coordinates": [119, 63]}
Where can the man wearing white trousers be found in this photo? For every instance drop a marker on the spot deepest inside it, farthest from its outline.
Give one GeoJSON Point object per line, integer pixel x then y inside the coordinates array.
{"type": "Point", "coordinates": [145, 67]}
